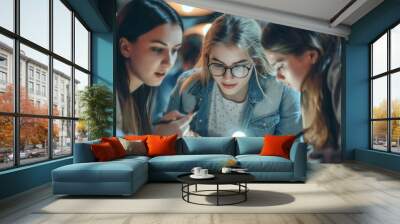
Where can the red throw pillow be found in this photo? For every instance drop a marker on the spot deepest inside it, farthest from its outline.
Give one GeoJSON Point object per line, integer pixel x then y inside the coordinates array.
{"type": "Point", "coordinates": [277, 145]}
{"type": "Point", "coordinates": [116, 145]}
{"type": "Point", "coordinates": [161, 145]}
{"type": "Point", "coordinates": [103, 152]}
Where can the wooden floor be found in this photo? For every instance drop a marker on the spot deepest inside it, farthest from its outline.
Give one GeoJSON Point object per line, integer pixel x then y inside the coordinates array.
{"type": "Point", "coordinates": [378, 188]}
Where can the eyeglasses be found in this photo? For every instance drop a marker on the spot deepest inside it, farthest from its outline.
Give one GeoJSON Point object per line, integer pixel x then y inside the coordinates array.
{"type": "Point", "coordinates": [238, 71]}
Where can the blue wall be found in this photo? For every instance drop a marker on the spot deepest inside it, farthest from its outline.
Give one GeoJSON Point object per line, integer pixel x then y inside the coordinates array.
{"type": "Point", "coordinates": [357, 84]}
{"type": "Point", "coordinates": [102, 58]}
{"type": "Point", "coordinates": [24, 178]}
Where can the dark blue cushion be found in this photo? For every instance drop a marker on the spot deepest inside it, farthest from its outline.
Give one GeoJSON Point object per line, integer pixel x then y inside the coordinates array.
{"type": "Point", "coordinates": [249, 145]}
{"type": "Point", "coordinates": [206, 145]}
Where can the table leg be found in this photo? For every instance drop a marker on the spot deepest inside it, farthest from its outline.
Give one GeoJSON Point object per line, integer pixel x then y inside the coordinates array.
{"type": "Point", "coordinates": [188, 189]}
{"type": "Point", "coordinates": [245, 193]}
{"type": "Point", "coordinates": [217, 194]}
{"type": "Point", "coordinates": [196, 188]}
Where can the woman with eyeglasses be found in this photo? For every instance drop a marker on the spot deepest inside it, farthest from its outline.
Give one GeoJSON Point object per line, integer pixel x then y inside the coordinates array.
{"type": "Point", "coordinates": [230, 93]}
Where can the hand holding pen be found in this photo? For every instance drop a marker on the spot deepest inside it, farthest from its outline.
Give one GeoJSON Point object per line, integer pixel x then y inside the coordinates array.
{"type": "Point", "coordinates": [174, 122]}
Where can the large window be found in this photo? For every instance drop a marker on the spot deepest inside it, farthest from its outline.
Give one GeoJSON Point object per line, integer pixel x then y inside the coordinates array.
{"type": "Point", "coordinates": [385, 91]}
{"type": "Point", "coordinates": [44, 64]}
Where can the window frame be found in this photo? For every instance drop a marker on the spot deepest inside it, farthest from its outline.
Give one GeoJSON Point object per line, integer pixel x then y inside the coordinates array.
{"type": "Point", "coordinates": [16, 115]}
{"type": "Point", "coordinates": [388, 74]}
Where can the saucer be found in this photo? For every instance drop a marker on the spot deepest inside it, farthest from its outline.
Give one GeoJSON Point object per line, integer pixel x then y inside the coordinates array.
{"type": "Point", "coordinates": [208, 176]}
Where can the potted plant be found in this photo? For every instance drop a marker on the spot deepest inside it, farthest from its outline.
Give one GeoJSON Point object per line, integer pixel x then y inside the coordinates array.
{"type": "Point", "coordinates": [96, 103]}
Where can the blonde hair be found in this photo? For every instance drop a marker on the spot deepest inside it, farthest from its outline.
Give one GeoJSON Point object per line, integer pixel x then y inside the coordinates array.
{"type": "Point", "coordinates": [230, 30]}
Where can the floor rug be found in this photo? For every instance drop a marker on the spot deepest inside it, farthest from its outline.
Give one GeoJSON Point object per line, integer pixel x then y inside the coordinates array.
{"type": "Point", "coordinates": [167, 198]}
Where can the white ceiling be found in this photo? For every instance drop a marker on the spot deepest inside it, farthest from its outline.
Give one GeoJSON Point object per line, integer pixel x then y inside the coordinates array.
{"type": "Point", "coordinates": [319, 9]}
{"type": "Point", "coordinates": [313, 15]}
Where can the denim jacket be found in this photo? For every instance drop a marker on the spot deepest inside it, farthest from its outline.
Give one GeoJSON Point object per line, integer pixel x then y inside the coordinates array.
{"type": "Point", "coordinates": [273, 110]}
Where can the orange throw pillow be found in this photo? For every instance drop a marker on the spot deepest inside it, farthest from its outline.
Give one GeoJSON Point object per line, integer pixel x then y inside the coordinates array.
{"type": "Point", "coordinates": [136, 137]}
{"type": "Point", "coordinates": [161, 145]}
{"type": "Point", "coordinates": [103, 152]}
{"type": "Point", "coordinates": [116, 145]}
{"type": "Point", "coordinates": [277, 145]}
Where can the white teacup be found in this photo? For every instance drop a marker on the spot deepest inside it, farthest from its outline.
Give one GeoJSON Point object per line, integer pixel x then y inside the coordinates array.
{"type": "Point", "coordinates": [226, 170]}
{"type": "Point", "coordinates": [203, 172]}
{"type": "Point", "coordinates": [196, 170]}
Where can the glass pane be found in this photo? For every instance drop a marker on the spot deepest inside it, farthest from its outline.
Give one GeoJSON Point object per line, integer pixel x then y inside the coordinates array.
{"type": "Point", "coordinates": [35, 21]}
{"type": "Point", "coordinates": [379, 97]}
{"type": "Point", "coordinates": [379, 55]}
{"type": "Point", "coordinates": [33, 139]}
{"type": "Point", "coordinates": [395, 47]}
{"type": "Point", "coordinates": [379, 135]}
{"type": "Point", "coordinates": [395, 94]}
{"type": "Point", "coordinates": [81, 131]}
{"type": "Point", "coordinates": [6, 142]}
{"type": "Point", "coordinates": [7, 14]}
{"type": "Point", "coordinates": [62, 89]}
{"type": "Point", "coordinates": [81, 45]}
{"type": "Point", "coordinates": [395, 138]}
{"type": "Point", "coordinates": [62, 141]}
{"type": "Point", "coordinates": [81, 81]}
{"type": "Point", "coordinates": [6, 74]}
{"type": "Point", "coordinates": [34, 97]}
{"type": "Point", "coordinates": [62, 29]}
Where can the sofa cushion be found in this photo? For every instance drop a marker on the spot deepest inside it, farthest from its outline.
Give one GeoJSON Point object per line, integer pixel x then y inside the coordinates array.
{"type": "Point", "coordinates": [185, 163]}
{"type": "Point", "coordinates": [275, 145]}
{"type": "Point", "coordinates": [257, 163]}
{"type": "Point", "coordinates": [161, 145]}
{"type": "Point", "coordinates": [103, 152]}
{"type": "Point", "coordinates": [116, 145]}
{"type": "Point", "coordinates": [249, 145]}
{"type": "Point", "coordinates": [208, 145]}
{"type": "Point", "coordinates": [134, 147]}
{"type": "Point", "coordinates": [111, 171]}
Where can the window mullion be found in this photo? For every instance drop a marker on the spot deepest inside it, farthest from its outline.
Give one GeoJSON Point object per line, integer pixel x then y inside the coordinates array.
{"type": "Point", "coordinates": [389, 106]}
{"type": "Point", "coordinates": [50, 81]}
{"type": "Point", "coordinates": [73, 83]}
{"type": "Point", "coordinates": [371, 89]}
{"type": "Point", "coordinates": [16, 84]}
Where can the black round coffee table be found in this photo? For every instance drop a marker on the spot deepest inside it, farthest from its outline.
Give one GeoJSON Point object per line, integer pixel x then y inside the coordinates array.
{"type": "Point", "coordinates": [238, 179]}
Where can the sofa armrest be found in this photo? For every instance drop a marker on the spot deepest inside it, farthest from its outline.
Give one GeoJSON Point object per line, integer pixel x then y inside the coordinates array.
{"type": "Point", "coordinates": [298, 155]}
{"type": "Point", "coordinates": [83, 152]}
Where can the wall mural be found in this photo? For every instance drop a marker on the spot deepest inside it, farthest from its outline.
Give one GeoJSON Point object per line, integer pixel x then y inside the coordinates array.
{"type": "Point", "coordinates": [228, 76]}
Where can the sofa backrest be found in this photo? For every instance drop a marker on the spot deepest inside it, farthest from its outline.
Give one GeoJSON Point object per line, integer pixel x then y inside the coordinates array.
{"type": "Point", "coordinates": [207, 145]}
{"type": "Point", "coordinates": [83, 153]}
{"type": "Point", "coordinates": [249, 145]}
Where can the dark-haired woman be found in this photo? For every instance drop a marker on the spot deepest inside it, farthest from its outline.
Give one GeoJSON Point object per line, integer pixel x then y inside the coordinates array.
{"type": "Point", "coordinates": [310, 62]}
{"type": "Point", "coordinates": [149, 36]}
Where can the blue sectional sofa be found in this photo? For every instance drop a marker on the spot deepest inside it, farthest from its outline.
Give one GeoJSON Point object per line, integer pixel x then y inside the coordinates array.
{"type": "Point", "coordinates": [125, 176]}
